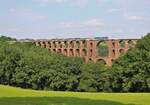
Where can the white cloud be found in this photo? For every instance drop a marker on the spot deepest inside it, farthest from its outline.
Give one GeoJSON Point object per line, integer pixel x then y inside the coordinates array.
{"type": "Point", "coordinates": [114, 10]}
{"type": "Point", "coordinates": [135, 18]}
{"type": "Point", "coordinates": [26, 13]}
{"type": "Point", "coordinates": [80, 3]}
{"type": "Point", "coordinates": [92, 23]}
{"type": "Point", "coordinates": [46, 2]}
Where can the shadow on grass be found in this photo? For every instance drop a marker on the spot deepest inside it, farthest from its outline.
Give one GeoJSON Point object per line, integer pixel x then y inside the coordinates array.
{"type": "Point", "coordinates": [55, 101]}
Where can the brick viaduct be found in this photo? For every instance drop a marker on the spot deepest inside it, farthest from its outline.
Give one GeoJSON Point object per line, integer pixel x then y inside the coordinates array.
{"type": "Point", "coordinates": [88, 49]}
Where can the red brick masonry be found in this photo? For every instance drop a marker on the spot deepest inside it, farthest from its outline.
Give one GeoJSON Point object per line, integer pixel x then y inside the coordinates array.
{"type": "Point", "coordinates": [87, 48]}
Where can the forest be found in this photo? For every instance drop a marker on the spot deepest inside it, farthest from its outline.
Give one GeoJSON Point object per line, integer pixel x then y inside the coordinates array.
{"type": "Point", "coordinates": [25, 65]}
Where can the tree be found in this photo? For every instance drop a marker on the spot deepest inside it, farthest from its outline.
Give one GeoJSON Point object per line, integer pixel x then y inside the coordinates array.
{"type": "Point", "coordinates": [92, 77]}
{"type": "Point", "coordinates": [131, 72]}
{"type": "Point", "coordinates": [28, 66]}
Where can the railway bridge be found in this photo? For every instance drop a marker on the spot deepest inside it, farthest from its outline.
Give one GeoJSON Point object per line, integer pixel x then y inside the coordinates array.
{"type": "Point", "coordinates": [95, 50]}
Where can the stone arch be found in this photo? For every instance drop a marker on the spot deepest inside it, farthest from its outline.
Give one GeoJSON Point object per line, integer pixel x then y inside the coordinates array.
{"type": "Point", "coordinates": [91, 52]}
{"type": "Point", "coordinates": [77, 44]}
{"type": "Point", "coordinates": [71, 52]}
{"type": "Point", "coordinates": [43, 44]}
{"type": "Point", "coordinates": [84, 42]}
{"type": "Point", "coordinates": [54, 50]}
{"type": "Point", "coordinates": [101, 61]}
{"type": "Point", "coordinates": [84, 52]}
{"type": "Point", "coordinates": [77, 52]}
{"type": "Point", "coordinates": [65, 44]}
{"type": "Point", "coordinates": [102, 48]}
{"type": "Point", "coordinates": [60, 44]}
{"type": "Point", "coordinates": [113, 44]}
{"type": "Point", "coordinates": [54, 44]}
{"type": "Point", "coordinates": [37, 43]}
{"type": "Point", "coordinates": [49, 44]}
{"type": "Point", "coordinates": [122, 43]}
{"type": "Point", "coordinates": [71, 44]}
{"type": "Point", "coordinates": [65, 51]}
{"type": "Point", "coordinates": [131, 43]}
{"type": "Point", "coordinates": [59, 51]}
{"type": "Point", "coordinates": [91, 44]}
{"type": "Point", "coordinates": [121, 51]}
{"type": "Point", "coordinates": [113, 53]}
{"type": "Point", "coordinates": [90, 60]}
{"type": "Point", "coordinates": [112, 61]}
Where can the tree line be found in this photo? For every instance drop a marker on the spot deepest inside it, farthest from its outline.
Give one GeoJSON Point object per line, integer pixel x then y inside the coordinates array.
{"type": "Point", "coordinates": [27, 66]}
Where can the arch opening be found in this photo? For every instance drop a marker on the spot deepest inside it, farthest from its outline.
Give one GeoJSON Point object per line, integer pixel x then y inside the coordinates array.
{"type": "Point", "coordinates": [121, 51]}
{"type": "Point", "coordinates": [102, 61]}
{"type": "Point", "coordinates": [59, 51]}
{"type": "Point", "coordinates": [54, 50]}
{"type": "Point", "coordinates": [65, 44]}
{"type": "Point", "coordinates": [122, 44]}
{"type": "Point", "coordinates": [103, 49]}
{"type": "Point", "coordinates": [77, 52]}
{"type": "Point", "coordinates": [113, 44]}
{"type": "Point", "coordinates": [65, 51]}
{"type": "Point", "coordinates": [49, 44]}
{"type": "Point", "coordinates": [60, 45]}
{"type": "Point", "coordinates": [84, 44]}
{"type": "Point", "coordinates": [131, 43]}
{"type": "Point", "coordinates": [54, 44]}
{"type": "Point", "coordinates": [113, 53]}
{"type": "Point", "coordinates": [91, 51]}
{"type": "Point", "coordinates": [71, 44]}
{"type": "Point", "coordinates": [91, 44]}
{"type": "Point", "coordinates": [84, 52]}
{"type": "Point", "coordinates": [71, 52]}
{"type": "Point", "coordinates": [77, 44]}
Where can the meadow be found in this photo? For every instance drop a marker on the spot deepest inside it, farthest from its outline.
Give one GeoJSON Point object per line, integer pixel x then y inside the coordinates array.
{"type": "Point", "coordinates": [17, 96]}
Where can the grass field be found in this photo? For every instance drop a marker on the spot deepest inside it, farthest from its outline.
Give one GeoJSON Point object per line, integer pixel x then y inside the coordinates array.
{"type": "Point", "coordinates": [16, 96]}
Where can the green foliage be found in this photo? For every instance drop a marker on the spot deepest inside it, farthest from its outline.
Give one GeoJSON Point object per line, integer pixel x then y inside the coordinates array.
{"type": "Point", "coordinates": [131, 72]}
{"type": "Point", "coordinates": [103, 49]}
{"type": "Point", "coordinates": [5, 38]}
{"type": "Point", "coordinates": [92, 77]}
{"type": "Point", "coordinates": [28, 66]}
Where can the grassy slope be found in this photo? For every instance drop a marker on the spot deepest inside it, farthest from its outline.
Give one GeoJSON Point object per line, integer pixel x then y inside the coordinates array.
{"type": "Point", "coordinates": [17, 96]}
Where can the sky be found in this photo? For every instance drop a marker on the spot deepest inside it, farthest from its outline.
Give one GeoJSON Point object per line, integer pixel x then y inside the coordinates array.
{"type": "Point", "coordinates": [46, 19]}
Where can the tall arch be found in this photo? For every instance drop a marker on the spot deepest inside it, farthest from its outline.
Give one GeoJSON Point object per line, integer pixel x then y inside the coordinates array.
{"type": "Point", "coordinates": [102, 49]}
{"type": "Point", "coordinates": [84, 43]}
{"type": "Point", "coordinates": [65, 52]}
{"type": "Point", "coordinates": [77, 52]}
{"type": "Point", "coordinates": [65, 44]}
{"type": "Point", "coordinates": [77, 44]}
{"type": "Point", "coordinates": [84, 52]}
{"type": "Point", "coordinates": [121, 51]}
{"type": "Point", "coordinates": [71, 44]}
{"type": "Point", "coordinates": [122, 43]}
{"type": "Point", "coordinates": [71, 52]}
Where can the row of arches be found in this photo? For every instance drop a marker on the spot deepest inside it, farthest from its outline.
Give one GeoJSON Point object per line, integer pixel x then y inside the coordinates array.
{"type": "Point", "coordinates": [71, 52]}
{"type": "Point", "coordinates": [91, 50]}
{"type": "Point", "coordinates": [100, 60]}
{"type": "Point", "coordinates": [111, 48]}
{"type": "Point", "coordinates": [62, 44]}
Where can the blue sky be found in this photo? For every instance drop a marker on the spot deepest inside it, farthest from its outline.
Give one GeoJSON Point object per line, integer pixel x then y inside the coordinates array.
{"type": "Point", "coordinates": [74, 18]}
